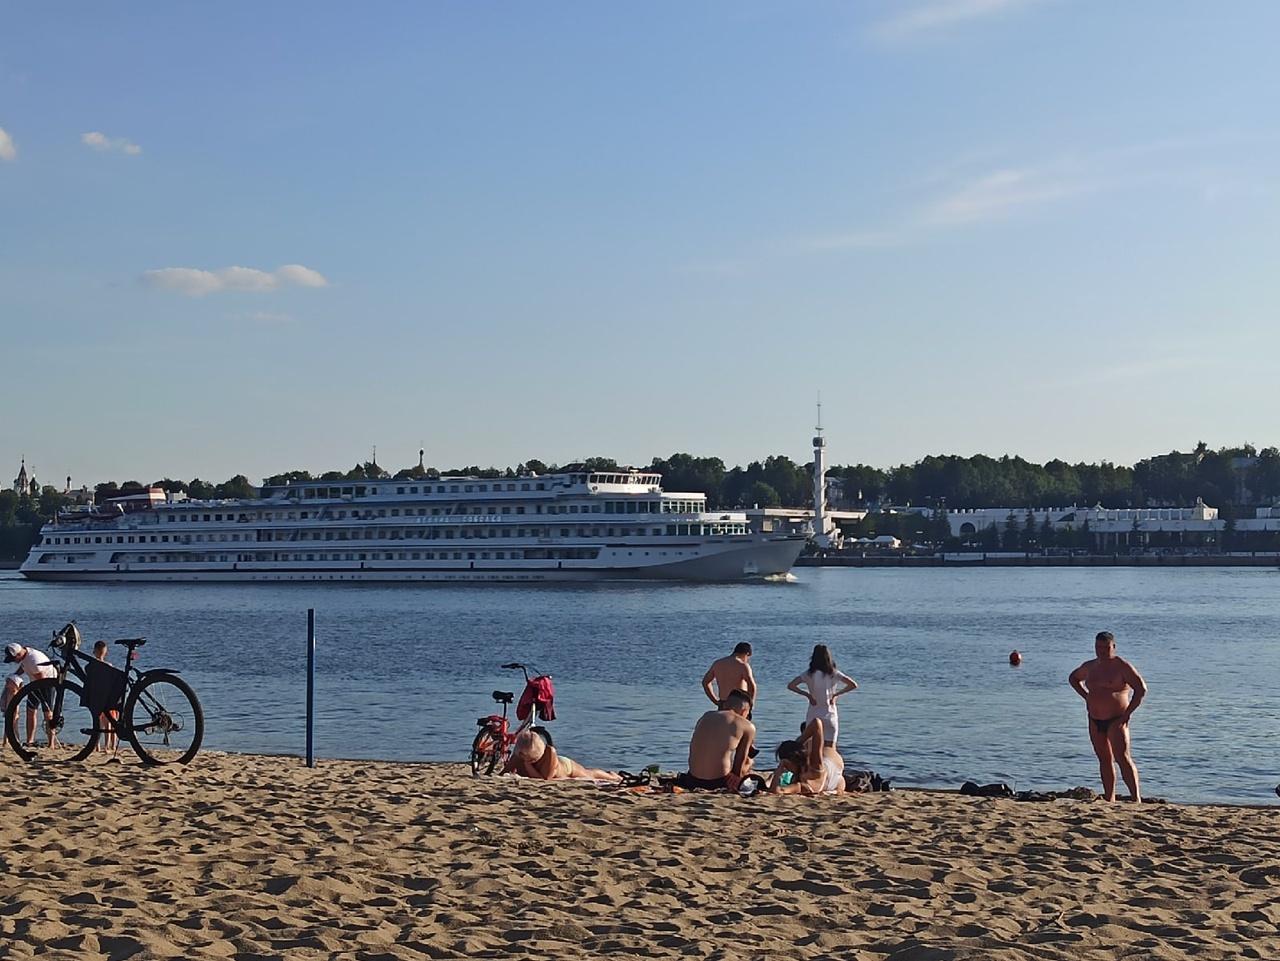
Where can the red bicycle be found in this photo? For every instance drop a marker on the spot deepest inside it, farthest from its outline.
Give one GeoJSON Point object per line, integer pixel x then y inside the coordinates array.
{"type": "Point", "coordinates": [494, 740]}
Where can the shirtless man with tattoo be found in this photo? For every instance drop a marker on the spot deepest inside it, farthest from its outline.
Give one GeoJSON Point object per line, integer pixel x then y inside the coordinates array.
{"type": "Point", "coordinates": [1112, 689]}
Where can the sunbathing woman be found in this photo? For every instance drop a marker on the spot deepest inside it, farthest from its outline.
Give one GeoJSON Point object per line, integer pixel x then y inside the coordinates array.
{"type": "Point", "coordinates": [814, 768]}
{"type": "Point", "coordinates": [534, 757]}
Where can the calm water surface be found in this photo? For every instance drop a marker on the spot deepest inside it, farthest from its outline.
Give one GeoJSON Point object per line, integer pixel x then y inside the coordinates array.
{"type": "Point", "coordinates": [403, 672]}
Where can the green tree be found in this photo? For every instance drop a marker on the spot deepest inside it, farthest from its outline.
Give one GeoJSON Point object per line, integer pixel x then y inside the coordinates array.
{"type": "Point", "coordinates": [760, 494]}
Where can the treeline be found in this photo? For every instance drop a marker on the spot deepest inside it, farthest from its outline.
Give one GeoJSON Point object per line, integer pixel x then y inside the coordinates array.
{"type": "Point", "coordinates": [1231, 479]}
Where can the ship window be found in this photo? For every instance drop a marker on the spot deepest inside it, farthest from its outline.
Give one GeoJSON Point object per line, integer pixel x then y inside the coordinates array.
{"type": "Point", "coordinates": [506, 510]}
{"type": "Point", "coordinates": [564, 532]}
{"type": "Point", "coordinates": [519, 510]}
{"type": "Point", "coordinates": [541, 486]}
{"type": "Point", "coordinates": [399, 490]}
{"type": "Point", "coordinates": [524, 487]}
{"type": "Point", "coordinates": [457, 555]}
{"type": "Point", "coordinates": [453, 488]}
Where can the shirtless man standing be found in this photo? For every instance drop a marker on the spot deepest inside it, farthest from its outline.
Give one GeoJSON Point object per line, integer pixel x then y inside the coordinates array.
{"type": "Point", "coordinates": [719, 752]}
{"type": "Point", "coordinates": [1112, 689]}
{"type": "Point", "coordinates": [732, 673]}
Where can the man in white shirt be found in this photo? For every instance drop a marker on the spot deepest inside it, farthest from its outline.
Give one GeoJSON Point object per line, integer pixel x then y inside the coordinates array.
{"type": "Point", "coordinates": [32, 664]}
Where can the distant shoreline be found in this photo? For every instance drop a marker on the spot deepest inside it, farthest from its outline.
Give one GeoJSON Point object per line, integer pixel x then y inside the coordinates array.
{"type": "Point", "coordinates": [997, 559]}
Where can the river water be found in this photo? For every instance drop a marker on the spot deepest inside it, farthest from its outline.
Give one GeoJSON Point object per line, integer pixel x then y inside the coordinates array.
{"type": "Point", "coordinates": [402, 673]}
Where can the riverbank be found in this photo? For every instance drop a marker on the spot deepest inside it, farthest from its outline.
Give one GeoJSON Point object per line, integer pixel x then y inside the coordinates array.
{"type": "Point", "coordinates": [1000, 559]}
{"type": "Point", "coordinates": [250, 856]}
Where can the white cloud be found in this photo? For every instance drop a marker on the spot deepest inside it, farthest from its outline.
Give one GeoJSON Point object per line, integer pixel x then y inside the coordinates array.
{"type": "Point", "coordinates": [100, 141]}
{"type": "Point", "coordinates": [7, 150]}
{"type": "Point", "coordinates": [198, 283]}
{"type": "Point", "coordinates": [944, 13]}
{"type": "Point", "coordinates": [266, 317]}
{"type": "Point", "coordinates": [300, 275]}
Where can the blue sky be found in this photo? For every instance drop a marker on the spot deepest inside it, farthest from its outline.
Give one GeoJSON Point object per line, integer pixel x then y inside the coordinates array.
{"type": "Point", "coordinates": [251, 238]}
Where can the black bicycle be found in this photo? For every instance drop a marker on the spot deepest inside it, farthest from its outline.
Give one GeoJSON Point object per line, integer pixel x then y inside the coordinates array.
{"type": "Point", "coordinates": [156, 711]}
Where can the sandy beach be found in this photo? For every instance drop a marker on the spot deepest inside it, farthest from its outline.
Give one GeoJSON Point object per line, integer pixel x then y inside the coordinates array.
{"type": "Point", "coordinates": [252, 857]}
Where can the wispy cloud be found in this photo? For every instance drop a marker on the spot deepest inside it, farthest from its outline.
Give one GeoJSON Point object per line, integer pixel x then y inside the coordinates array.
{"type": "Point", "coordinates": [994, 195]}
{"type": "Point", "coordinates": [942, 14]}
{"type": "Point", "coordinates": [1001, 194]}
{"type": "Point", "coordinates": [266, 317]}
{"type": "Point", "coordinates": [198, 283]}
{"type": "Point", "coordinates": [1127, 372]}
{"type": "Point", "coordinates": [100, 141]}
{"type": "Point", "coordinates": [7, 150]}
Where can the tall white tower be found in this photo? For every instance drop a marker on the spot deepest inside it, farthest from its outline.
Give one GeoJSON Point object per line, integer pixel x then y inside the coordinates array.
{"type": "Point", "coordinates": [825, 533]}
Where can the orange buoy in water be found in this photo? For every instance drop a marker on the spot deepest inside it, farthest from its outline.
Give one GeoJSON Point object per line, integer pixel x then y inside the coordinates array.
{"type": "Point", "coordinates": [1015, 658]}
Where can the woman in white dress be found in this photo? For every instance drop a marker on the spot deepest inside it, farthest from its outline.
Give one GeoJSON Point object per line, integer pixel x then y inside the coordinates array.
{"type": "Point", "coordinates": [822, 684]}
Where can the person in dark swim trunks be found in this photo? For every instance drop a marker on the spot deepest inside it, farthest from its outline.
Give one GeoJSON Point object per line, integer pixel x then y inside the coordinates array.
{"type": "Point", "coordinates": [1112, 689]}
{"type": "Point", "coordinates": [720, 749]}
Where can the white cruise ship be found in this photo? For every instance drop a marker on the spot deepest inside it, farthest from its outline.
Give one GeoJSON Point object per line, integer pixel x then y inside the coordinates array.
{"type": "Point", "coordinates": [571, 525]}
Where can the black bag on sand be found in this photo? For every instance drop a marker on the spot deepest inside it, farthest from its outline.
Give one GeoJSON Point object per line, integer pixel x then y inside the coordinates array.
{"type": "Point", "coordinates": [999, 789]}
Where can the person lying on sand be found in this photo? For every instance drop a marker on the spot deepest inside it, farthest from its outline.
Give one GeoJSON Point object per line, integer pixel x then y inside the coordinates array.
{"type": "Point", "coordinates": [814, 768]}
{"type": "Point", "coordinates": [534, 757]}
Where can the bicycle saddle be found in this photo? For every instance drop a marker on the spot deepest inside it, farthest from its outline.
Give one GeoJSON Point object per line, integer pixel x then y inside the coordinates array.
{"type": "Point", "coordinates": [503, 697]}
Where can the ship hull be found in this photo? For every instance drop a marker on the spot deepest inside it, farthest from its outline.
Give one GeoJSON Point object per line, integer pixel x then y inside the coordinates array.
{"type": "Point", "coordinates": [751, 557]}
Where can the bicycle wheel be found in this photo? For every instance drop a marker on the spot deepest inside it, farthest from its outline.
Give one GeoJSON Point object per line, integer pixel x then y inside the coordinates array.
{"type": "Point", "coordinates": [163, 719]}
{"type": "Point", "coordinates": [61, 732]}
{"type": "Point", "coordinates": [486, 749]}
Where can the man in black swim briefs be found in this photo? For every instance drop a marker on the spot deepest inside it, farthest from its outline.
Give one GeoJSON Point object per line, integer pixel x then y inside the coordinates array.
{"type": "Point", "coordinates": [1112, 689]}
{"type": "Point", "coordinates": [720, 749]}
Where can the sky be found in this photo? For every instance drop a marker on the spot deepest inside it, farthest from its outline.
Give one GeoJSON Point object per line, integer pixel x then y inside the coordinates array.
{"type": "Point", "coordinates": [246, 238]}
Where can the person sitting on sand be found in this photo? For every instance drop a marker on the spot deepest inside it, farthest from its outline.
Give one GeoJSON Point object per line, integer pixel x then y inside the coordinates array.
{"type": "Point", "coordinates": [1112, 689]}
{"type": "Point", "coordinates": [534, 757]}
{"type": "Point", "coordinates": [720, 749]}
{"type": "Point", "coordinates": [814, 767]}
{"type": "Point", "coordinates": [732, 673]}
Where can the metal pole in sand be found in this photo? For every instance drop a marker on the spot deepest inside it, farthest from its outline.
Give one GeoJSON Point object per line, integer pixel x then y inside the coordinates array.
{"type": "Point", "coordinates": [311, 684]}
